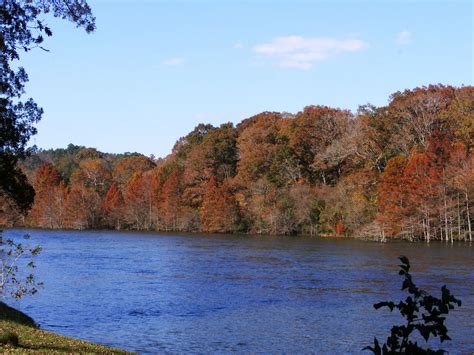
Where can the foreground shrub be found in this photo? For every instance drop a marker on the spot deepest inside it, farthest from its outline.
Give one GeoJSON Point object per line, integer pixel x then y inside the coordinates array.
{"type": "Point", "coordinates": [423, 313]}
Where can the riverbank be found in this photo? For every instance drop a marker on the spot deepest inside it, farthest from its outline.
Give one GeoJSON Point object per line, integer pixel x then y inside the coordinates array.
{"type": "Point", "coordinates": [31, 339]}
{"type": "Point", "coordinates": [361, 236]}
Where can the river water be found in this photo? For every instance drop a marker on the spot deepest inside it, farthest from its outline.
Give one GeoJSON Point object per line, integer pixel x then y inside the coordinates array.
{"type": "Point", "coordinates": [153, 293]}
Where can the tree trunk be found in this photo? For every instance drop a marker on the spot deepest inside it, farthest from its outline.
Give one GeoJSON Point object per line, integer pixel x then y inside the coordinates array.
{"type": "Point", "coordinates": [468, 217]}
{"type": "Point", "coordinates": [425, 235]}
{"type": "Point", "coordinates": [459, 218]}
{"type": "Point", "coordinates": [445, 219]}
{"type": "Point", "coordinates": [451, 228]}
{"type": "Point", "coordinates": [428, 233]}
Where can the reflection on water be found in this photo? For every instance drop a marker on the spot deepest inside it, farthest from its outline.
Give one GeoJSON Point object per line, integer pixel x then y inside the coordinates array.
{"type": "Point", "coordinates": [151, 293]}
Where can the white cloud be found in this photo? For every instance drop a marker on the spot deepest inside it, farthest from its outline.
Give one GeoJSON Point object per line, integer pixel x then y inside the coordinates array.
{"type": "Point", "coordinates": [403, 38]}
{"type": "Point", "coordinates": [238, 46]}
{"type": "Point", "coordinates": [173, 61]}
{"type": "Point", "coordinates": [301, 52]}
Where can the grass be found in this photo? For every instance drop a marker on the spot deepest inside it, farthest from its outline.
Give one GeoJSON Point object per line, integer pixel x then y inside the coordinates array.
{"type": "Point", "coordinates": [31, 339]}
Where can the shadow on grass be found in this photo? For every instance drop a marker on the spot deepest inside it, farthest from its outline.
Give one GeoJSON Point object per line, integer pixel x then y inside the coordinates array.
{"type": "Point", "coordinates": [11, 314]}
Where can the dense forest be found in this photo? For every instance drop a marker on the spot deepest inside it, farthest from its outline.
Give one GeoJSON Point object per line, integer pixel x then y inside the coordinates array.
{"type": "Point", "coordinates": [405, 170]}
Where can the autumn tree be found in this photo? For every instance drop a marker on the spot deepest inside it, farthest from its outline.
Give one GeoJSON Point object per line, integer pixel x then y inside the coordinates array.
{"type": "Point", "coordinates": [260, 131]}
{"type": "Point", "coordinates": [296, 210]}
{"type": "Point", "coordinates": [393, 197]}
{"type": "Point", "coordinates": [171, 204]}
{"type": "Point", "coordinates": [86, 153]}
{"type": "Point", "coordinates": [113, 204]}
{"type": "Point", "coordinates": [214, 153]}
{"type": "Point", "coordinates": [315, 128]}
{"type": "Point", "coordinates": [196, 173]}
{"type": "Point", "coordinates": [83, 207]}
{"type": "Point", "coordinates": [49, 209]}
{"type": "Point", "coordinates": [258, 203]}
{"type": "Point", "coordinates": [458, 118]}
{"type": "Point", "coordinates": [412, 117]}
{"type": "Point", "coordinates": [219, 211]}
{"type": "Point", "coordinates": [349, 205]}
{"type": "Point", "coordinates": [95, 173]}
{"type": "Point", "coordinates": [415, 195]}
{"type": "Point", "coordinates": [127, 166]}
{"type": "Point", "coordinates": [461, 183]}
{"type": "Point", "coordinates": [372, 138]}
{"type": "Point", "coordinates": [422, 183]}
{"type": "Point", "coordinates": [138, 202]}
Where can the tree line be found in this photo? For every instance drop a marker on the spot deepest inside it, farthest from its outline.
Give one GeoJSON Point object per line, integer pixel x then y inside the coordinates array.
{"type": "Point", "coordinates": [404, 170]}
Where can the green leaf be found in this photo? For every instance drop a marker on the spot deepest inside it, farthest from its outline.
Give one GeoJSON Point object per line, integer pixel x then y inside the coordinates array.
{"type": "Point", "coordinates": [404, 261]}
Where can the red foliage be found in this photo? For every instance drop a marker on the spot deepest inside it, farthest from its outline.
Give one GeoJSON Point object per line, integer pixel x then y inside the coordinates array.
{"type": "Point", "coordinates": [171, 200]}
{"type": "Point", "coordinates": [402, 170]}
{"type": "Point", "coordinates": [219, 211]}
{"type": "Point", "coordinates": [339, 228]}
{"type": "Point", "coordinates": [46, 177]}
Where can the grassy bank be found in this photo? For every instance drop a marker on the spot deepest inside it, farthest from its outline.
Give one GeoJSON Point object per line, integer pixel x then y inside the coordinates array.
{"type": "Point", "coordinates": [32, 339]}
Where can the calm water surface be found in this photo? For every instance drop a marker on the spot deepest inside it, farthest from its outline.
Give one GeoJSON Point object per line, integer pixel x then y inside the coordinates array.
{"type": "Point", "coordinates": [178, 293]}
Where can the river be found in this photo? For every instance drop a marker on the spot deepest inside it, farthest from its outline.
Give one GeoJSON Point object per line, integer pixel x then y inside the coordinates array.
{"type": "Point", "coordinates": [150, 292]}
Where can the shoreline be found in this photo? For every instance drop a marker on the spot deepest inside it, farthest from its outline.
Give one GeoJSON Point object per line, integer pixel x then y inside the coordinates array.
{"type": "Point", "coordinates": [245, 235]}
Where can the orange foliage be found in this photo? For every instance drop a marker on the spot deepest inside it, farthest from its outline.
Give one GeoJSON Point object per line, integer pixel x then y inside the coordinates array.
{"type": "Point", "coordinates": [219, 211]}
{"type": "Point", "coordinates": [49, 210]}
{"type": "Point", "coordinates": [113, 206]}
{"type": "Point", "coordinates": [339, 228]}
{"type": "Point", "coordinates": [138, 201]}
{"type": "Point", "coordinates": [171, 205]}
{"type": "Point", "coordinates": [401, 170]}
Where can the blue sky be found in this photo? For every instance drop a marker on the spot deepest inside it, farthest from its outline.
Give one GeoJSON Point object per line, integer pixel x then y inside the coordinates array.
{"type": "Point", "coordinates": [155, 69]}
